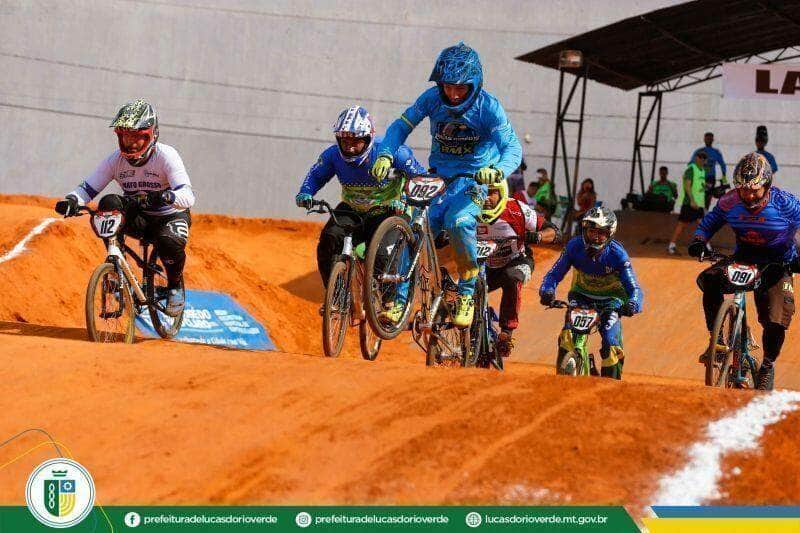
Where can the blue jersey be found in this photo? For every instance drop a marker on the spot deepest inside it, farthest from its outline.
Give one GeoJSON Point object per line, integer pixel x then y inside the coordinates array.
{"type": "Point", "coordinates": [770, 158]}
{"type": "Point", "coordinates": [359, 189]}
{"type": "Point", "coordinates": [480, 137]}
{"type": "Point", "coordinates": [714, 158]}
{"type": "Point", "coordinates": [607, 276]}
{"type": "Point", "coordinates": [762, 236]}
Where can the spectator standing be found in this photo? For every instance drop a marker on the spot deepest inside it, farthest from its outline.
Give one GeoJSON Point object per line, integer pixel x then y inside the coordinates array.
{"type": "Point", "coordinates": [691, 198]}
{"type": "Point", "coordinates": [516, 180]}
{"type": "Point", "coordinates": [713, 158]}
{"type": "Point", "coordinates": [586, 198]}
{"type": "Point", "coordinates": [762, 137]}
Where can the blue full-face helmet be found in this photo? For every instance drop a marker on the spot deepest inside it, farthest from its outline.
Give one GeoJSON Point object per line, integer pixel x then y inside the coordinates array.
{"type": "Point", "coordinates": [458, 64]}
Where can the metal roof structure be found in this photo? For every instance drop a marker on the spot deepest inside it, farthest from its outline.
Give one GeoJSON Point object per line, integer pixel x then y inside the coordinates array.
{"type": "Point", "coordinates": [677, 46]}
{"type": "Point", "coordinates": [663, 51]}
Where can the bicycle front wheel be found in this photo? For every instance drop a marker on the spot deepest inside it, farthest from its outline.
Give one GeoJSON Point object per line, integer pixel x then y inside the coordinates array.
{"type": "Point", "coordinates": [336, 315]}
{"type": "Point", "coordinates": [718, 362]}
{"type": "Point", "coordinates": [390, 253]}
{"type": "Point", "coordinates": [109, 306]}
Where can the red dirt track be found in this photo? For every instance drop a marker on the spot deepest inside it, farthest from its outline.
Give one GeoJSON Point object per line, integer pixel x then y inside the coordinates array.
{"type": "Point", "coordinates": [170, 423]}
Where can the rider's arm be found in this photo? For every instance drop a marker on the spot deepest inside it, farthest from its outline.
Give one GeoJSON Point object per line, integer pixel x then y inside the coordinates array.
{"type": "Point", "coordinates": [548, 232]}
{"type": "Point", "coordinates": [319, 174]}
{"type": "Point", "coordinates": [405, 161]}
{"type": "Point", "coordinates": [400, 129]}
{"type": "Point", "coordinates": [94, 184]}
{"type": "Point", "coordinates": [502, 134]}
{"type": "Point", "coordinates": [558, 270]}
{"type": "Point", "coordinates": [711, 223]}
{"type": "Point", "coordinates": [178, 179]}
{"type": "Point", "coordinates": [723, 167]}
{"type": "Point", "coordinates": [628, 279]}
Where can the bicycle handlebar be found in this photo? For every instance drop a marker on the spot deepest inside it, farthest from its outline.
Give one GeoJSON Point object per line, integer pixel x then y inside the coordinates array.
{"type": "Point", "coordinates": [561, 304]}
{"type": "Point", "coordinates": [322, 207]}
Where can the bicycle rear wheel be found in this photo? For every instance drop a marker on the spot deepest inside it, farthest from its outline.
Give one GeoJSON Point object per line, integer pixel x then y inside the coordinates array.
{"type": "Point", "coordinates": [718, 364]}
{"type": "Point", "coordinates": [390, 253]}
{"type": "Point", "coordinates": [336, 314]}
{"type": "Point", "coordinates": [448, 345]}
{"type": "Point", "coordinates": [157, 292]}
{"type": "Point", "coordinates": [109, 306]}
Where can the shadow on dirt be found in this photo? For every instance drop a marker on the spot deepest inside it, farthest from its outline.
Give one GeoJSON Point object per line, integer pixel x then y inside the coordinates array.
{"type": "Point", "coordinates": [35, 330]}
{"type": "Point", "coordinates": [308, 287]}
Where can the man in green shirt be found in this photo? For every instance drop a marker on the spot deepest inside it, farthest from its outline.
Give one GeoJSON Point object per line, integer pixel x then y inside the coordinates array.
{"type": "Point", "coordinates": [545, 198]}
{"type": "Point", "coordinates": [664, 187]}
{"type": "Point", "coordinates": [692, 197]}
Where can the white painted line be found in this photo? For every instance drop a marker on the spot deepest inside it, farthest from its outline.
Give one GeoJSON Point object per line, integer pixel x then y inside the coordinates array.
{"type": "Point", "coordinates": [20, 247]}
{"type": "Point", "coordinates": [698, 481]}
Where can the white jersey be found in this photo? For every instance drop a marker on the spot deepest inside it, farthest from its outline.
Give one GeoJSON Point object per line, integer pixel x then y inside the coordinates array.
{"type": "Point", "coordinates": [164, 170]}
{"type": "Point", "coordinates": [513, 222]}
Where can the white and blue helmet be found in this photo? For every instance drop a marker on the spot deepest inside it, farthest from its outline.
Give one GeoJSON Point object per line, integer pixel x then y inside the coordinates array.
{"type": "Point", "coordinates": [354, 121]}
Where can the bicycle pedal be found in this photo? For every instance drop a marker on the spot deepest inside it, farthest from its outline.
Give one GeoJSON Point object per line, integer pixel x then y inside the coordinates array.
{"type": "Point", "coordinates": [111, 314]}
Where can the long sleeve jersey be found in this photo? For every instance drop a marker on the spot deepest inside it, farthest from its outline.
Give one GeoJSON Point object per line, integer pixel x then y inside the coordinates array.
{"type": "Point", "coordinates": [763, 236]}
{"type": "Point", "coordinates": [609, 275]}
{"type": "Point", "coordinates": [480, 137]}
{"type": "Point", "coordinates": [164, 170]}
{"type": "Point", "coordinates": [359, 189]}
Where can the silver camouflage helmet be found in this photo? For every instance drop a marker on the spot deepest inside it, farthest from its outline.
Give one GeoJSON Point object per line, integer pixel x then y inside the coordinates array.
{"type": "Point", "coordinates": [135, 115]}
{"type": "Point", "coordinates": [601, 218]}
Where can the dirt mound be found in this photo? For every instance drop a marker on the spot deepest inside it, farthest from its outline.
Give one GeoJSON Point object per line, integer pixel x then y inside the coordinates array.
{"type": "Point", "coordinates": [267, 427]}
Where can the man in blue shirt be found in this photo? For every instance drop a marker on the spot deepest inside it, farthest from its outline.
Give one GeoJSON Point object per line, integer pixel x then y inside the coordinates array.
{"type": "Point", "coordinates": [762, 137]}
{"type": "Point", "coordinates": [470, 134]}
{"type": "Point", "coordinates": [764, 220]}
{"type": "Point", "coordinates": [350, 160]}
{"type": "Point", "coordinates": [713, 158]}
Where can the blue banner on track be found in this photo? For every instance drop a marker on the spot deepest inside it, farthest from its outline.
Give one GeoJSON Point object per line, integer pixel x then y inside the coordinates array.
{"type": "Point", "coordinates": [216, 319]}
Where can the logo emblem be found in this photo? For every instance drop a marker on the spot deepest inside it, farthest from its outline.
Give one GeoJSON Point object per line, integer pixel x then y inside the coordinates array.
{"type": "Point", "coordinates": [60, 493]}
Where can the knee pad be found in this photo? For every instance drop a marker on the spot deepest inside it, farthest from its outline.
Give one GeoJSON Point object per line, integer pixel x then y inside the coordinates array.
{"type": "Point", "coordinates": [111, 202]}
{"type": "Point", "coordinates": [520, 273]}
{"type": "Point", "coordinates": [172, 238]}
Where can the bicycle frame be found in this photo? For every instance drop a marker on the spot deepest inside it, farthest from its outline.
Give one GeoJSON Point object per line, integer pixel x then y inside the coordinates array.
{"type": "Point", "coordinates": [743, 353]}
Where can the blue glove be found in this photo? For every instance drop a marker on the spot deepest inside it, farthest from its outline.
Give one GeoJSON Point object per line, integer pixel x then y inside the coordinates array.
{"type": "Point", "coordinates": [303, 200]}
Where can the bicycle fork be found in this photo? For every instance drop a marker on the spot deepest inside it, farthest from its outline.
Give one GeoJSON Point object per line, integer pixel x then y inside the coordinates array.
{"type": "Point", "coordinates": [116, 257]}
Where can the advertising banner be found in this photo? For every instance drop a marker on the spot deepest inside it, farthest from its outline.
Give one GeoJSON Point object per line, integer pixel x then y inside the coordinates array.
{"type": "Point", "coordinates": [777, 81]}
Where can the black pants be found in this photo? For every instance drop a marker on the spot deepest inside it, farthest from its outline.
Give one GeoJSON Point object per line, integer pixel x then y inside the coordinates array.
{"type": "Point", "coordinates": [170, 233]}
{"type": "Point", "coordinates": [331, 239]}
{"type": "Point", "coordinates": [774, 303]}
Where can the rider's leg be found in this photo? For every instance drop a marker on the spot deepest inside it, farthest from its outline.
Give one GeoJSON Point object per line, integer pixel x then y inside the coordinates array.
{"type": "Point", "coordinates": [775, 307]}
{"type": "Point", "coordinates": [171, 236]}
{"type": "Point", "coordinates": [331, 240]}
{"type": "Point", "coordinates": [460, 222]}
{"type": "Point", "coordinates": [710, 282]}
{"type": "Point", "coordinates": [611, 350]}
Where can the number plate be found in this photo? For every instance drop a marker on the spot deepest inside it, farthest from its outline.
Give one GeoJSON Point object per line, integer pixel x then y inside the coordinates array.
{"type": "Point", "coordinates": [486, 249]}
{"type": "Point", "coordinates": [421, 189]}
{"type": "Point", "coordinates": [107, 224]}
{"type": "Point", "coordinates": [582, 319]}
{"type": "Point", "coordinates": [741, 275]}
